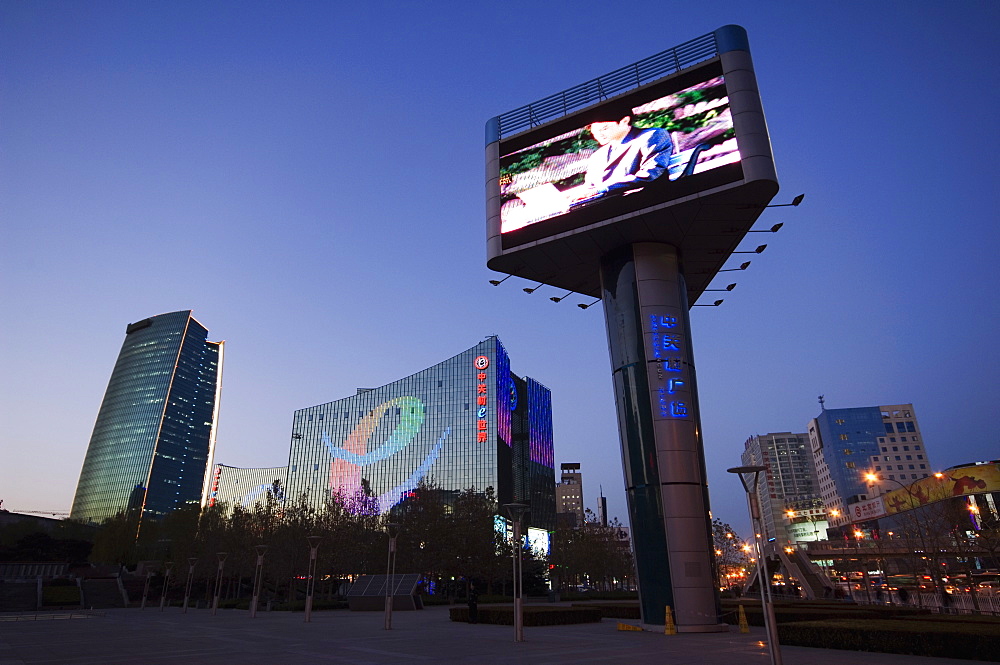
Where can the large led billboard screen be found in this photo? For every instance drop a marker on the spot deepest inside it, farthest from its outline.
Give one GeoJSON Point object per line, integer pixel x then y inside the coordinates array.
{"type": "Point", "coordinates": [671, 149]}
{"type": "Point", "coordinates": [659, 143]}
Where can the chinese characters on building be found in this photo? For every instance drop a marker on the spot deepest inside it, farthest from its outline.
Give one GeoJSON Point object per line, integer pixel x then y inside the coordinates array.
{"type": "Point", "coordinates": [667, 352]}
{"type": "Point", "coordinates": [482, 393]}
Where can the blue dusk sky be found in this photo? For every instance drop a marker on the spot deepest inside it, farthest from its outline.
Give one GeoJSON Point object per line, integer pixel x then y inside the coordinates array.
{"type": "Point", "coordinates": [308, 177]}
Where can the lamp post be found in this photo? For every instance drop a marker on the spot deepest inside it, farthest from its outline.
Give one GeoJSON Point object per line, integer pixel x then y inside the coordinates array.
{"type": "Point", "coordinates": [190, 580]}
{"type": "Point", "coordinates": [166, 584]}
{"type": "Point", "coordinates": [257, 577]}
{"type": "Point", "coordinates": [763, 576]}
{"type": "Point", "coordinates": [145, 589]}
{"type": "Point", "coordinates": [218, 581]}
{"type": "Point", "coordinates": [516, 511]}
{"type": "Point", "coordinates": [311, 580]}
{"type": "Point", "coordinates": [915, 506]}
{"type": "Point", "coordinates": [390, 572]}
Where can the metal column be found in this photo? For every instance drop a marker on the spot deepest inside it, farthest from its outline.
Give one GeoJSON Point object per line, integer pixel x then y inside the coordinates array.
{"type": "Point", "coordinates": [649, 339]}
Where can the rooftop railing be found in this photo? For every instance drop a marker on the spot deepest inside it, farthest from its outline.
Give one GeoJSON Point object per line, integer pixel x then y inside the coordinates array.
{"type": "Point", "coordinates": [603, 87]}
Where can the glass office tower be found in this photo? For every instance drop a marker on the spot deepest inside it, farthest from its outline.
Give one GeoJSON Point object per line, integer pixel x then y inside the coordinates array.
{"type": "Point", "coordinates": [154, 438]}
{"type": "Point", "coordinates": [467, 422]}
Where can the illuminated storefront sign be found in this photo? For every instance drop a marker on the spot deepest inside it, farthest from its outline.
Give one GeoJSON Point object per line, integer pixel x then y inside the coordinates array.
{"type": "Point", "coordinates": [867, 510]}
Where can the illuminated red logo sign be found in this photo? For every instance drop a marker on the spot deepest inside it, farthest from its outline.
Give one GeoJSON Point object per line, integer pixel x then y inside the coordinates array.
{"type": "Point", "coordinates": [482, 424]}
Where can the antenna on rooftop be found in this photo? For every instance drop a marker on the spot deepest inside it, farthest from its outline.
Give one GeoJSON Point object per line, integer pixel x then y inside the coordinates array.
{"type": "Point", "coordinates": [822, 403]}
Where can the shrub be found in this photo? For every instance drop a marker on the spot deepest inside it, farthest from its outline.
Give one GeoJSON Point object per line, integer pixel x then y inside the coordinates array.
{"type": "Point", "coordinates": [615, 610]}
{"type": "Point", "coordinates": [947, 639]}
{"type": "Point", "coordinates": [60, 595]}
{"type": "Point", "coordinates": [533, 616]}
{"type": "Point", "coordinates": [61, 581]}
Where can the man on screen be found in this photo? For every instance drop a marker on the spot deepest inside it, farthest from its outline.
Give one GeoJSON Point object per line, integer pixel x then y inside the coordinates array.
{"type": "Point", "coordinates": [628, 158]}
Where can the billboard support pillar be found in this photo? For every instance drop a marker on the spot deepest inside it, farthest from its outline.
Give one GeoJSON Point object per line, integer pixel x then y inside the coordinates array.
{"type": "Point", "coordinates": [649, 340]}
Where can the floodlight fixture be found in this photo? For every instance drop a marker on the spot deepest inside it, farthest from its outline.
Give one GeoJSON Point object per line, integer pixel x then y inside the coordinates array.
{"type": "Point", "coordinates": [773, 229]}
{"type": "Point", "coordinates": [589, 304]}
{"type": "Point", "coordinates": [532, 289]}
{"type": "Point", "coordinates": [795, 203]}
{"type": "Point", "coordinates": [559, 298]}
{"type": "Point", "coordinates": [714, 304]}
{"type": "Point", "coordinates": [760, 249]}
{"type": "Point", "coordinates": [498, 282]}
{"type": "Point", "coordinates": [743, 266]}
{"type": "Point", "coordinates": [729, 287]}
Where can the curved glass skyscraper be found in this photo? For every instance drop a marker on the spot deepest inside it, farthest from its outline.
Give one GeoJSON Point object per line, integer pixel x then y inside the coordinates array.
{"type": "Point", "coordinates": [154, 438]}
{"type": "Point", "coordinates": [467, 422]}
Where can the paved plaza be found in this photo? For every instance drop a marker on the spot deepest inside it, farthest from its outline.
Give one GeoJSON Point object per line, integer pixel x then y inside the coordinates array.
{"type": "Point", "coordinates": [149, 637]}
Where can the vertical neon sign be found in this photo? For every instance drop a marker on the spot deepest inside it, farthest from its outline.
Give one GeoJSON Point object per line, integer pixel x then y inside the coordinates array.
{"type": "Point", "coordinates": [667, 351]}
{"type": "Point", "coordinates": [481, 363]}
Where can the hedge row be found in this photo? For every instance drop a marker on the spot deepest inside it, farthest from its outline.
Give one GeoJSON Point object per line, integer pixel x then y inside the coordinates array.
{"type": "Point", "coordinates": [791, 613]}
{"type": "Point", "coordinates": [533, 615]}
{"type": "Point", "coordinates": [615, 610]}
{"type": "Point", "coordinates": [976, 641]}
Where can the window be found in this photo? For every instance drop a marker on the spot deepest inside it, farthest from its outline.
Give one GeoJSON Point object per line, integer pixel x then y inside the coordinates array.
{"type": "Point", "coordinates": [895, 449]}
{"type": "Point", "coordinates": [906, 447]}
{"type": "Point", "coordinates": [903, 438]}
{"type": "Point", "coordinates": [848, 451]}
{"type": "Point", "coordinates": [892, 477]}
{"type": "Point", "coordinates": [849, 465]}
{"type": "Point", "coordinates": [888, 428]}
{"type": "Point", "coordinates": [900, 427]}
{"type": "Point", "coordinates": [310, 417]}
{"type": "Point", "coordinates": [923, 466]}
{"type": "Point", "coordinates": [878, 468]}
{"type": "Point", "coordinates": [843, 437]}
{"type": "Point", "coordinates": [892, 439]}
{"type": "Point", "coordinates": [910, 427]}
{"type": "Point", "coordinates": [839, 421]}
{"type": "Point", "coordinates": [909, 457]}
{"type": "Point", "coordinates": [920, 456]}
{"type": "Point", "coordinates": [321, 416]}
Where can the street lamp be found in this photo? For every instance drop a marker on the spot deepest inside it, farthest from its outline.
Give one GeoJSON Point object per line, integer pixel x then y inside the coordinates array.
{"type": "Point", "coordinates": [218, 581]}
{"type": "Point", "coordinates": [145, 589]}
{"type": "Point", "coordinates": [190, 580]}
{"type": "Point", "coordinates": [763, 576]}
{"type": "Point", "coordinates": [390, 572]}
{"type": "Point", "coordinates": [166, 583]}
{"type": "Point", "coordinates": [258, 575]}
{"type": "Point", "coordinates": [516, 511]}
{"type": "Point", "coordinates": [311, 580]}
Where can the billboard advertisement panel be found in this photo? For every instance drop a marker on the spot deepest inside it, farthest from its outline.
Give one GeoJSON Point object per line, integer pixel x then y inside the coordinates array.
{"type": "Point", "coordinates": [957, 481]}
{"type": "Point", "coordinates": [659, 143]}
{"type": "Point", "coordinates": [671, 149]}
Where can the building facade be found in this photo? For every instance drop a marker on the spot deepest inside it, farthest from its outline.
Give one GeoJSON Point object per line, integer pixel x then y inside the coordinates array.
{"type": "Point", "coordinates": [154, 438]}
{"type": "Point", "coordinates": [569, 495]}
{"type": "Point", "coordinates": [465, 423]}
{"type": "Point", "coordinates": [847, 445]}
{"type": "Point", "coordinates": [790, 504]}
{"type": "Point", "coordinates": [902, 456]}
{"type": "Point", "coordinates": [245, 487]}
